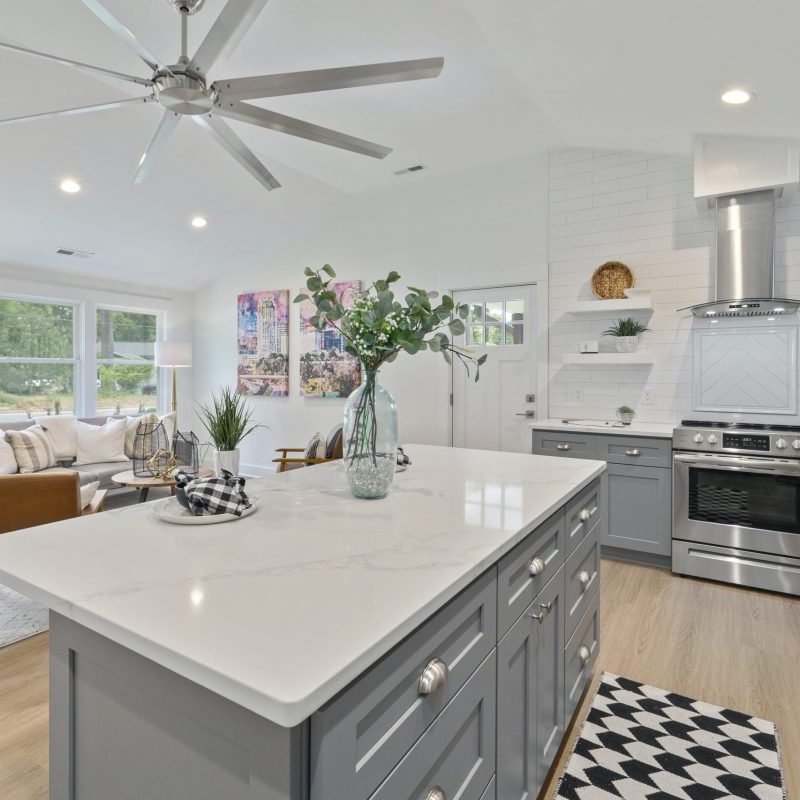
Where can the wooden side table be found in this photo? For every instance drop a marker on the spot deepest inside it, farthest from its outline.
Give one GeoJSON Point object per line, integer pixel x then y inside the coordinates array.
{"type": "Point", "coordinates": [144, 485]}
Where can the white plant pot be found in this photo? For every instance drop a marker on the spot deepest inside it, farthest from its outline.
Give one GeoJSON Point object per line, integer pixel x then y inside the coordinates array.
{"type": "Point", "coordinates": [627, 344]}
{"type": "Point", "coordinates": [226, 460]}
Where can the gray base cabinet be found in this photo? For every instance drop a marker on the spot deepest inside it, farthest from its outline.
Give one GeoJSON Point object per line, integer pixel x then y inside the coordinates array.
{"type": "Point", "coordinates": [637, 491]}
{"type": "Point", "coordinates": [472, 705]}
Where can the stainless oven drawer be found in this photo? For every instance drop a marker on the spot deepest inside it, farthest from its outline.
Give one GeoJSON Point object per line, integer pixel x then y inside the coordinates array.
{"type": "Point", "coordinates": [732, 565]}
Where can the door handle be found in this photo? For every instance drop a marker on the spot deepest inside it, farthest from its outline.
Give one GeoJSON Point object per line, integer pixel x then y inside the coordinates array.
{"type": "Point", "coordinates": [633, 452]}
{"type": "Point", "coordinates": [529, 413]}
{"type": "Point", "coordinates": [562, 446]}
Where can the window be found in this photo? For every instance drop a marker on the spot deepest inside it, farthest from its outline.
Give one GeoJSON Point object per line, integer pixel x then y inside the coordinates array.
{"type": "Point", "coordinates": [38, 358]}
{"type": "Point", "coordinates": [496, 323]}
{"type": "Point", "coordinates": [127, 378]}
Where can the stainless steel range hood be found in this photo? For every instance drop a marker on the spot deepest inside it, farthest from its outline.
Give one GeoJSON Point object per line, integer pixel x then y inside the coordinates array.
{"type": "Point", "coordinates": [745, 259]}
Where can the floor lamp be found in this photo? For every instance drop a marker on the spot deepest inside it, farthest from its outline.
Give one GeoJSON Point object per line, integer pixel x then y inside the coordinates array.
{"type": "Point", "coordinates": [174, 355]}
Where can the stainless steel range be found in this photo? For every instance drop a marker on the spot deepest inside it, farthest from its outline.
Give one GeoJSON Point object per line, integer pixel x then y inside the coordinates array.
{"type": "Point", "coordinates": [736, 504]}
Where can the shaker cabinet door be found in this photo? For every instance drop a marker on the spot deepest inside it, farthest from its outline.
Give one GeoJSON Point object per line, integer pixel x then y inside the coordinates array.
{"type": "Point", "coordinates": [530, 695]}
{"type": "Point", "coordinates": [639, 509]}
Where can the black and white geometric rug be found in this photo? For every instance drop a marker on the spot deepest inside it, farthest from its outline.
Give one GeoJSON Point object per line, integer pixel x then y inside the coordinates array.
{"type": "Point", "coordinates": [643, 743]}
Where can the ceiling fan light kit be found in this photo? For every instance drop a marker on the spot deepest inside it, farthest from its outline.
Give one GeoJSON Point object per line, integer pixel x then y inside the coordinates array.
{"type": "Point", "coordinates": [183, 89]}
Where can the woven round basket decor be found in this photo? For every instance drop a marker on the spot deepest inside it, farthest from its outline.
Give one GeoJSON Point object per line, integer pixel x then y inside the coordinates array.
{"type": "Point", "coordinates": [610, 280]}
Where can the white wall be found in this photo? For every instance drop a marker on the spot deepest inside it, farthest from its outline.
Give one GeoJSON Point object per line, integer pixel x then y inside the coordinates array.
{"type": "Point", "coordinates": [483, 227]}
{"type": "Point", "coordinates": [177, 309]}
{"type": "Point", "coordinates": [638, 208]}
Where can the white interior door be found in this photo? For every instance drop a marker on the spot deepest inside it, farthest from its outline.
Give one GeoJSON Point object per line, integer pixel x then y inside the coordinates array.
{"type": "Point", "coordinates": [494, 413]}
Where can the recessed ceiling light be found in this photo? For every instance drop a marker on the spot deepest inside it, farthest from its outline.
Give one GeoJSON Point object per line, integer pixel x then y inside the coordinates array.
{"type": "Point", "coordinates": [199, 222]}
{"type": "Point", "coordinates": [70, 186]}
{"type": "Point", "coordinates": [737, 97]}
{"type": "Point", "coordinates": [770, 319]}
{"type": "Point", "coordinates": [714, 321]}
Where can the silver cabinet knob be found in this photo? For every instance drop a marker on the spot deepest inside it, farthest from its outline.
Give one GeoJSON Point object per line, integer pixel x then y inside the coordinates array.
{"type": "Point", "coordinates": [584, 577]}
{"type": "Point", "coordinates": [584, 515]}
{"type": "Point", "coordinates": [437, 793]}
{"type": "Point", "coordinates": [544, 612]}
{"type": "Point", "coordinates": [562, 446]}
{"type": "Point", "coordinates": [433, 677]}
{"type": "Point", "coordinates": [584, 654]}
{"type": "Point", "coordinates": [536, 567]}
{"type": "Point", "coordinates": [635, 451]}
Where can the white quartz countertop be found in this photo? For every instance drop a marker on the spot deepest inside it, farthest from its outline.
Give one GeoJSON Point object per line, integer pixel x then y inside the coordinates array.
{"type": "Point", "coordinates": [660, 430]}
{"type": "Point", "coordinates": [279, 611]}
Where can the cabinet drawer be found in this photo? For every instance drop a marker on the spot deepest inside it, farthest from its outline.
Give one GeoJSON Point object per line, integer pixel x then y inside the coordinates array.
{"type": "Point", "coordinates": [491, 791]}
{"type": "Point", "coordinates": [457, 753]}
{"type": "Point", "coordinates": [636, 450]}
{"type": "Point", "coordinates": [525, 571]}
{"type": "Point", "coordinates": [583, 513]}
{"type": "Point", "coordinates": [361, 735]}
{"type": "Point", "coordinates": [580, 656]}
{"type": "Point", "coordinates": [583, 579]}
{"type": "Point", "coordinates": [571, 445]}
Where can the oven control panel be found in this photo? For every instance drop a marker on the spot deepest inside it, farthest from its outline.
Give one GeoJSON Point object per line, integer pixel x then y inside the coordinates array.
{"type": "Point", "coordinates": [746, 441]}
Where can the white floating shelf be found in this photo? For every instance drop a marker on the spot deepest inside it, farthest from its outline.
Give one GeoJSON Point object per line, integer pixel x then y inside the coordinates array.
{"type": "Point", "coordinates": [605, 308]}
{"type": "Point", "coordinates": [608, 359]}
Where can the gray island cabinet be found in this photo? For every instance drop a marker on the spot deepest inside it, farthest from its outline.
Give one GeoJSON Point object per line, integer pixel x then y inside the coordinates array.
{"type": "Point", "coordinates": [637, 485]}
{"type": "Point", "coordinates": [430, 646]}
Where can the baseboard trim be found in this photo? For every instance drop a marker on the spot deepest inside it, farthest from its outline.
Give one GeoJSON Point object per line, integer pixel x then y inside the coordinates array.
{"type": "Point", "coordinates": [648, 559]}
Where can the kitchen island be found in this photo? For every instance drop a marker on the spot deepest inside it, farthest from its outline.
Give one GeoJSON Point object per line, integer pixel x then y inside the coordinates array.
{"type": "Point", "coordinates": [325, 647]}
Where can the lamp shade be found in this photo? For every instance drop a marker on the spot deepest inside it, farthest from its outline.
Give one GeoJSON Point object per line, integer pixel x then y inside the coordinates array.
{"type": "Point", "coordinates": [173, 354]}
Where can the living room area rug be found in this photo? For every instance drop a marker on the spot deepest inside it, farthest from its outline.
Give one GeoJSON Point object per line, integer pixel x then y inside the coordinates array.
{"type": "Point", "coordinates": [20, 617]}
{"type": "Point", "coordinates": [643, 743]}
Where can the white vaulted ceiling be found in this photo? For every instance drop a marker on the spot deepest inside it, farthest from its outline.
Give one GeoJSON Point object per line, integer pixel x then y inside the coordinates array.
{"type": "Point", "coordinates": [520, 76]}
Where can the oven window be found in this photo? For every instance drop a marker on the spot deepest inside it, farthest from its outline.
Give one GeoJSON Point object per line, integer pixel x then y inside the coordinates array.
{"type": "Point", "coordinates": [748, 499]}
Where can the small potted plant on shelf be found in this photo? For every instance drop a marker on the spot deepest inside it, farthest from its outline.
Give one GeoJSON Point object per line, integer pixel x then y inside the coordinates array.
{"type": "Point", "coordinates": [625, 415]}
{"type": "Point", "coordinates": [227, 420]}
{"type": "Point", "coordinates": [626, 333]}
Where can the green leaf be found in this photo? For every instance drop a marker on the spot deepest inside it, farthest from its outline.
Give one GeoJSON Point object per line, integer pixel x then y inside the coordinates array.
{"type": "Point", "coordinates": [380, 286]}
{"type": "Point", "coordinates": [435, 345]}
{"type": "Point", "coordinates": [457, 327]}
{"type": "Point", "coordinates": [448, 302]}
{"type": "Point", "coordinates": [308, 272]}
{"type": "Point", "coordinates": [463, 311]}
{"type": "Point", "coordinates": [301, 297]}
{"type": "Point", "coordinates": [328, 270]}
{"type": "Point", "coordinates": [482, 360]}
{"type": "Point", "coordinates": [447, 357]}
{"type": "Point", "coordinates": [392, 277]}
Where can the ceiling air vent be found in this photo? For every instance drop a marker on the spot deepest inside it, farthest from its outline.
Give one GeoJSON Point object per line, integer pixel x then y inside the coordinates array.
{"type": "Point", "coordinates": [409, 170]}
{"type": "Point", "coordinates": [67, 251]}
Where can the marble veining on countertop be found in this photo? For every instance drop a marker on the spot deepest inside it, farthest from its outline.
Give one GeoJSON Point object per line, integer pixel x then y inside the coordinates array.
{"type": "Point", "coordinates": [281, 610]}
{"type": "Point", "coordinates": [660, 430]}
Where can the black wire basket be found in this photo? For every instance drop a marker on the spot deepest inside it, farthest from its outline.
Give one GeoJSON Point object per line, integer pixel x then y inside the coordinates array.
{"type": "Point", "coordinates": [186, 447]}
{"type": "Point", "coordinates": [152, 452]}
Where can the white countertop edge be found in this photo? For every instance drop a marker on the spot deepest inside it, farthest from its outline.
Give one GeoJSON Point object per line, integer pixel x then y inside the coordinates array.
{"type": "Point", "coordinates": [290, 712]}
{"type": "Point", "coordinates": [655, 430]}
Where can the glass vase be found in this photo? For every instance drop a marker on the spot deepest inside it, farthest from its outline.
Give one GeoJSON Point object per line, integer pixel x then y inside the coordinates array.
{"type": "Point", "coordinates": [370, 439]}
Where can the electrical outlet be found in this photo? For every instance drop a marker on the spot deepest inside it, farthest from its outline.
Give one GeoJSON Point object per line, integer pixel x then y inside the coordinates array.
{"type": "Point", "coordinates": [574, 394]}
{"type": "Point", "coordinates": [647, 397]}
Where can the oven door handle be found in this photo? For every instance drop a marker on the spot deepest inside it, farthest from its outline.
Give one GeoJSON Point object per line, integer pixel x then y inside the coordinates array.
{"type": "Point", "coordinates": [738, 465]}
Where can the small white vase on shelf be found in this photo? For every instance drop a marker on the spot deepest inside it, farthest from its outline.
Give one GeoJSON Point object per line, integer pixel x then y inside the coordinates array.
{"type": "Point", "coordinates": [226, 460]}
{"type": "Point", "coordinates": [627, 344]}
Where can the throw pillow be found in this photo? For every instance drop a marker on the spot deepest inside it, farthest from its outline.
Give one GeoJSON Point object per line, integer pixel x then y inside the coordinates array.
{"type": "Point", "coordinates": [63, 435]}
{"type": "Point", "coordinates": [101, 444]}
{"type": "Point", "coordinates": [316, 447]}
{"type": "Point", "coordinates": [8, 464]}
{"type": "Point", "coordinates": [88, 492]}
{"type": "Point", "coordinates": [132, 426]}
{"type": "Point", "coordinates": [169, 421]}
{"type": "Point", "coordinates": [32, 449]}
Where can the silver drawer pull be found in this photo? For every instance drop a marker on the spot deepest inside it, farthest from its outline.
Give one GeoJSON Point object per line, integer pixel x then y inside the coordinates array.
{"type": "Point", "coordinates": [585, 578]}
{"type": "Point", "coordinates": [562, 446]}
{"type": "Point", "coordinates": [433, 677]}
{"type": "Point", "coordinates": [536, 567]}
{"type": "Point", "coordinates": [437, 793]}
{"type": "Point", "coordinates": [633, 452]}
{"type": "Point", "coordinates": [545, 611]}
{"type": "Point", "coordinates": [585, 515]}
{"type": "Point", "coordinates": [584, 654]}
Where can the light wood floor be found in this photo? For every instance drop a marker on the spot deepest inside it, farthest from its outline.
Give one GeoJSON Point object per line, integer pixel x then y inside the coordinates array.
{"type": "Point", "coordinates": [728, 646]}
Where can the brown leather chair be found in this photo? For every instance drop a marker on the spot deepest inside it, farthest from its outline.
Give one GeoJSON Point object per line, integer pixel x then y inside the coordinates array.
{"type": "Point", "coordinates": [333, 452]}
{"type": "Point", "coordinates": [28, 500]}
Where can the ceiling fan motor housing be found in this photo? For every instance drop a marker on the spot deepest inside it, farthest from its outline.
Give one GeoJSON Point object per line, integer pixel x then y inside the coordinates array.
{"type": "Point", "coordinates": [183, 92]}
{"type": "Point", "coordinates": [187, 6]}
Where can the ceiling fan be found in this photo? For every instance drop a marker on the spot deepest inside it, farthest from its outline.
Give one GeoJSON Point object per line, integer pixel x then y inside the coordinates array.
{"type": "Point", "coordinates": [183, 89]}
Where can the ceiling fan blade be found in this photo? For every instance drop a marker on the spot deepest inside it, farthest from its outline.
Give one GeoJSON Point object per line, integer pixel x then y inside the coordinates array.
{"type": "Point", "coordinates": [323, 80]}
{"type": "Point", "coordinates": [164, 130]}
{"type": "Point", "coordinates": [237, 148]}
{"type": "Point", "coordinates": [226, 33]}
{"type": "Point", "coordinates": [244, 112]}
{"type": "Point", "coordinates": [119, 30]}
{"type": "Point", "coordinates": [80, 110]}
{"type": "Point", "coordinates": [77, 64]}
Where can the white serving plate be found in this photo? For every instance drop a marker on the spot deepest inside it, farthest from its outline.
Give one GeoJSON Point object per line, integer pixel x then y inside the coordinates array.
{"type": "Point", "coordinates": [170, 510]}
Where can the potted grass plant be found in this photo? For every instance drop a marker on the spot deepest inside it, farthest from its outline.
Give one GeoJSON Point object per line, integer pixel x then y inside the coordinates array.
{"type": "Point", "coordinates": [626, 333]}
{"type": "Point", "coordinates": [228, 421]}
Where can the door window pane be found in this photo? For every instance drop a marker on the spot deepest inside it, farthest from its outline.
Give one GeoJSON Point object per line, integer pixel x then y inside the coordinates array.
{"type": "Point", "coordinates": [494, 335]}
{"type": "Point", "coordinates": [475, 312]}
{"type": "Point", "coordinates": [494, 312]}
{"type": "Point", "coordinates": [515, 311]}
{"type": "Point", "coordinates": [475, 334]}
{"type": "Point", "coordinates": [496, 323]}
